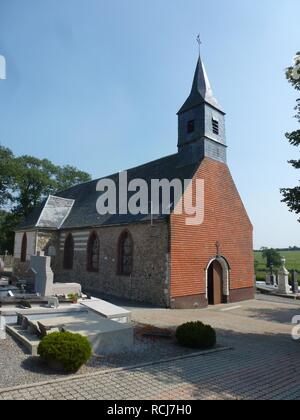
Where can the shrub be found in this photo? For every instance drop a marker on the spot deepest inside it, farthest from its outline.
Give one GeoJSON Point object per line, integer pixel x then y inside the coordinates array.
{"type": "Point", "coordinates": [71, 351]}
{"type": "Point", "coordinates": [196, 335]}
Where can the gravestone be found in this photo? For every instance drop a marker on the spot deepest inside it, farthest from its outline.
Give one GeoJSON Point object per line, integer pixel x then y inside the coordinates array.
{"type": "Point", "coordinates": [268, 279]}
{"type": "Point", "coordinates": [283, 279]}
{"type": "Point", "coordinates": [271, 279]}
{"type": "Point", "coordinates": [40, 266]}
{"type": "Point", "coordinates": [1, 267]}
{"type": "Point", "coordinates": [295, 285]}
{"type": "Point", "coordinates": [53, 302]}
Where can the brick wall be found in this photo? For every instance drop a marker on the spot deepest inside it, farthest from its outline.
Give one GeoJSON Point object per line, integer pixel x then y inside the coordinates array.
{"type": "Point", "coordinates": [192, 247]}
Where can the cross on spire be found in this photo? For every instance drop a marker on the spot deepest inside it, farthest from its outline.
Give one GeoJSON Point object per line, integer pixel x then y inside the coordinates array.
{"type": "Point", "coordinates": [199, 43]}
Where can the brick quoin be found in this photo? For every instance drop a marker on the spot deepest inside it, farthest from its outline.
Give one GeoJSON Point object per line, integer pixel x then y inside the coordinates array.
{"type": "Point", "coordinates": [193, 247]}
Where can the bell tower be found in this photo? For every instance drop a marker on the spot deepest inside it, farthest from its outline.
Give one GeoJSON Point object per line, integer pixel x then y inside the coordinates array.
{"type": "Point", "coordinates": [201, 121]}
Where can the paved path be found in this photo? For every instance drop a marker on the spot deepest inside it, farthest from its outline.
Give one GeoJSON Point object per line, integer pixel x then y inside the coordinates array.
{"type": "Point", "coordinates": [264, 362]}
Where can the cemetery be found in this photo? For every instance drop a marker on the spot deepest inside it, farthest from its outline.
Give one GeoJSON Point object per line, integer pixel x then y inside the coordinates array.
{"type": "Point", "coordinates": [54, 307]}
{"type": "Point", "coordinates": [284, 283]}
{"type": "Point", "coordinates": [36, 308]}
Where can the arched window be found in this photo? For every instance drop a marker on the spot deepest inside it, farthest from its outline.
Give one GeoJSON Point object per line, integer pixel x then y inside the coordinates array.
{"type": "Point", "coordinates": [93, 253]}
{"type": "Point", "coordinates": [69, 252]}
{"type": "Point", "coordinates": [125, 260]}
{"type": "Point", "coordinates": [24, 248]}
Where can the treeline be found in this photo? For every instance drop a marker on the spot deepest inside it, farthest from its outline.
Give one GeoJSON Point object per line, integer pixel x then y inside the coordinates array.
{"type": "Point", "coordinates": [291, 248]}
{"type": "Point", "coordinates": [25, 182]}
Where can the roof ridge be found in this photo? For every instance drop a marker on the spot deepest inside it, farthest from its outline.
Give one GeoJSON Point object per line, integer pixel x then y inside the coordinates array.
{"type": "Point", "coordinates": [116, 173]}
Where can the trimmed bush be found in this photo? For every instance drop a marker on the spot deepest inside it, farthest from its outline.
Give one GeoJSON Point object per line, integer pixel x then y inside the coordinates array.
{"type": "Point", "coordinates": [196, 335]}
{"type": "Point", "coordinates": [71, 351]}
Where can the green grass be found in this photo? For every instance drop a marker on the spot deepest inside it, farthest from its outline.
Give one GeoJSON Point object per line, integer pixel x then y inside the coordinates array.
{"type": "Point", "coordinates": [292, 262]}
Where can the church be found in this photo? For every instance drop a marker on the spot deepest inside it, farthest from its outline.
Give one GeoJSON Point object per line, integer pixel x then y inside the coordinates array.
{"type": "Point", "coordinates": [154, 258]}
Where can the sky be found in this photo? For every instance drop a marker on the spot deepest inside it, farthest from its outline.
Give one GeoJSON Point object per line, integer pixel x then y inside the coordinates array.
{"type": "Point", "coordinates": [97, 84]}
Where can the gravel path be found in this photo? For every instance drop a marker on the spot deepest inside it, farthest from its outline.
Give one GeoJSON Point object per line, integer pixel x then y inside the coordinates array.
{"type": "Point", "coordinates": [18, 368]}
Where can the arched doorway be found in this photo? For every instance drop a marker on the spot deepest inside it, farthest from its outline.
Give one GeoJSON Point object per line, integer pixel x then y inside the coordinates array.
{"type": "Point", "coordinates": [217, 275]}
{"type": "Point", "coordinates": [215, 284]}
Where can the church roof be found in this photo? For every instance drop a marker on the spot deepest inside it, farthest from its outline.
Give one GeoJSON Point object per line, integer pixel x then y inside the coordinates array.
{"type": "Point", "coordinates": [201, 90]}
{"type": "Point", "coordinates": [76, 207]}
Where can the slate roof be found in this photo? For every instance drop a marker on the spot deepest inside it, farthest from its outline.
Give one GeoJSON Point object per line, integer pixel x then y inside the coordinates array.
{"type": "Point", "coordinates": [201, 90]}
{"type": "Point", "coordinates": [83, 213]}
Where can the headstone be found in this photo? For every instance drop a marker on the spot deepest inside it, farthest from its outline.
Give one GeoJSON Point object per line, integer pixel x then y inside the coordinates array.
{"type": "Point", "coordinates": [51, 252]}
{"type": "Point", "coordinates": [283, 279]}
{"type": "Point", "coordinates": [268, 280]}
{"type": "Point", "coordinates": [40, 265]}
{"type": "Point", "coordinates": [295, 285]}
{"type": "Point", "coordinates": [1, 266]}
{"type": "Point", "coordinates": [53, 302]}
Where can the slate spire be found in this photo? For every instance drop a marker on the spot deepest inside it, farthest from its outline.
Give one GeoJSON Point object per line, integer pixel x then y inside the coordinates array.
{"type": "Point", "coordinates": [201, 90]}
{"type": "Point", "coordinates": [201, 121]}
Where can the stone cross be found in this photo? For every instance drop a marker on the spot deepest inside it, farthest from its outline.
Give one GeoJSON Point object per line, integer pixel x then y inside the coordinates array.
{"type": "Point", "coordinates": [283, 279]}
{"type": "Point", "coordinates": [199, 43]}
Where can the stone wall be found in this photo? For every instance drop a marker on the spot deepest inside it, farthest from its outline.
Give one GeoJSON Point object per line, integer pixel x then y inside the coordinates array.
{"type": "Point", "coordinates": [150, 278]}
{"type": "Point", "coordinates": [31, 244]}
{"type": "Point", "coordinates": [40, 243]}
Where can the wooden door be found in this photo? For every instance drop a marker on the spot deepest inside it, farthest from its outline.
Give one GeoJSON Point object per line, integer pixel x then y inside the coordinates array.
{"type": "Point", "coordinates": [215, 284]}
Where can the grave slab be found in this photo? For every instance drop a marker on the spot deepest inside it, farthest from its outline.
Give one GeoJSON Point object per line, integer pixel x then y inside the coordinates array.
{"type": "Point", "coordinates": [108, 310]}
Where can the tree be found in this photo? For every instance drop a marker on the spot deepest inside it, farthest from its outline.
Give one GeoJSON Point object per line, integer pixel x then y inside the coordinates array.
{"type": "Point", "coordinates": [8, 223]}
{"type": "Point", "coordinates": [25, 182]}
{"type": "Point", "coordinates": [35, 179]}
{"type": "Point", "coordinates": [6, 173]}
{"type": "Point", "coordinates": [68, 176]}
{"type": "Point", "coordinates": [291, 196]}
{"type": "Point", "coordinates": [272, 257]}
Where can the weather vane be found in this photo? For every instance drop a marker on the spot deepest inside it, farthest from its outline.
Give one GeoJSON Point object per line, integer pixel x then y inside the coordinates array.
{"type": "Point", "coordinates": [199, 43]}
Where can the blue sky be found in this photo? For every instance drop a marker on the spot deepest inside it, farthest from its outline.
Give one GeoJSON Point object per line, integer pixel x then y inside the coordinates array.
{"type": "Point", "coordinates": [97, 84]}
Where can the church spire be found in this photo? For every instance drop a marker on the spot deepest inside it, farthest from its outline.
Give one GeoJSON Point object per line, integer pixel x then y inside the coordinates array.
{"type": "Point", "coordinates": [201, 90]}
{"type": "Point", "coordinates": [201, 121]}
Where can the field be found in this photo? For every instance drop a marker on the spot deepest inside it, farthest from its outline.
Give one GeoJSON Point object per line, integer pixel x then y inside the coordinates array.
{"type": "Point", "coordinates": [292, 262]}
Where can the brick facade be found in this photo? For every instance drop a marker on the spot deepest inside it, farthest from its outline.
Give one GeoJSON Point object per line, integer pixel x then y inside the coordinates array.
{"type": "Point", "coordinates": [193, 247]}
